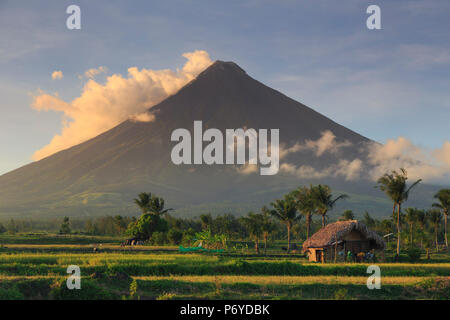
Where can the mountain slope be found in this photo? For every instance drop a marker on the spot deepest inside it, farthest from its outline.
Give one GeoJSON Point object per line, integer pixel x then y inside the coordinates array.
{"type": "Point", "coordinates": [102, 175]}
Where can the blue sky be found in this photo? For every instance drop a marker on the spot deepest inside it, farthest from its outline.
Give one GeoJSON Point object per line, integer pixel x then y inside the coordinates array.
{"type": "Point", "coordinates": [381, 83]}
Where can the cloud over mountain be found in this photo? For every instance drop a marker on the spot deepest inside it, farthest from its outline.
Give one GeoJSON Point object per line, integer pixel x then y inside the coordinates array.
{"type": "Point", "coordinates": [103, 106]}
{"type": "Point", "coordinates": [421, 163]}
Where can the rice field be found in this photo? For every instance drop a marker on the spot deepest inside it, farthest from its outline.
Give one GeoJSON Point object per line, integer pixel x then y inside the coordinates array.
{"type": "Point", "coordinates": [33, 271]}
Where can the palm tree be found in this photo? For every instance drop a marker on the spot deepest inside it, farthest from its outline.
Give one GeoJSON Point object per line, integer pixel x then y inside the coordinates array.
{"type": "Point", "coordinates": [394, 185]}
{"type": "Point", "coordinates": [151, 204]}
{"type": "Point", "coordinates": [206, 221]}
{"type": "Point", "coordinates": [267, 225]}
{"type": "Point", "coordinates": [253, 224]}
{"type": "Point", "coordinates": [285, 210]}
{"type": "Point", "coordinates": [324, 201]}
{"type": "Point", "coordinates": [157, 206]}
{"type": "Point", "coordinates": [305, 204]}
{"type": "Point", "coordinates": [143, 201]}
{"type": "Point", "coordinates": [443, 197]}
{"type": "Point", "coordinates": [421, 220]}
{"type": "Point", "coordinates": [435, 218]}
{"type": "Point", "coordinates": [347, 215]}
{"type": "Point", "coordinates": [411, 218]}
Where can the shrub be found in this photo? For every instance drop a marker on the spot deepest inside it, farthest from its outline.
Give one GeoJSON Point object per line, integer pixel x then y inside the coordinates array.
{"type": "Point", "coordinates": [158, 238]}
{"type": "Point", "coordinates": [175, 236]}
{"type": "Point", "coordinates": [12, 293]}
{"type": "Point", "coordinates": [413, 254]}
{"type": "Point", "coordinates": [90, 290]}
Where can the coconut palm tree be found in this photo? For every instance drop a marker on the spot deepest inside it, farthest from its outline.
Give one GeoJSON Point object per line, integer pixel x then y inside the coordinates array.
{"type": "Point", "coordinates": [206, 221]}
{"type": "Point", "coordinates": [324, 201]}
{"type": "Point", "coordinates": [394, 185]}
{"type": "Point", "coordinates": [421, 221]}
{"type": "Point", "coordinates": [443, 197]}
{"type": "Point", "coordinates": [347, 215]}
{"type": "Point", "coordinates": [285, 210]}
{"type": "Point", "coordinates": [435, 218]}
{"type": "Point", "coordinates": [305, 204]}
{"type": "Point", "coordinates": [253, 224]}
{"type": "Point", "coordinates": [151, 204]}
{"type": "Point", "coordinates": [267, 225]}
{"type": "Point", "coordinates": [411, 218]}
{"type": "Point", "coordinates": [143, 201]}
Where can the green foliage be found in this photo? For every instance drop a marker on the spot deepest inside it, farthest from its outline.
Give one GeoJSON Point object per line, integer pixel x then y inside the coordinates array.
{"type": "Point", "coordinates": [151, 204]}
{"type": "Point", "coordinates": [158, 238]}
{"type": "Point", "coordinates": [207, 240]}
{"type": "Point", "coordinates": [347, 215]}
{"type": "Point", "coordinates": [11, 293]}
{"type": "Point", "coordinates": [323, 200]}
{"type": "Point", "coordinates": [12, 227]}
{"type": "Point", "coordinates": [133, 290]}
{"type": "Point", "coordinates": [90, 290]}
{"type": "Point", "coordinates": [65, 226]}
{"type": "Point", "coordinates": [413, 254]}
{"type": "Point", "coordinates": [175, 236]}
{"type": "Point", "coordinates": [146, 226]}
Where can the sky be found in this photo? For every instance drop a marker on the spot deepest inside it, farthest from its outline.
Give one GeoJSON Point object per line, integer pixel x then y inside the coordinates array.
{"type": "Point", "coordinates": [383, 84]}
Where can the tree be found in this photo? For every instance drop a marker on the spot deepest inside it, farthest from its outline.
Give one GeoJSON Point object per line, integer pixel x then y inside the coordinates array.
{"type": "Point", "coordinates": [306, 205]}
{"type": "Point", "coordinates": [120, 224]}
{"type": "Point", "coordinates": [443, 197]}
{"type": "Point", "coordinates": [267, 225]}
{"type": "Point", "coordinates": [285, 210]}
{"type": "Point", "coordinates": [411, 218]}
{"type": "Point", "coordinates": [435, 218]}
{"type": "Point", "coordinates": [368, 220]}
{"type": "Point", "coordinates": [12, 227]}
{"type": "Point", "coordinates": [146, 225]}
{"type": "Point", "coordinates": [347, 215]}
{"type": "Point", "coordinates": [253, 224]}
{"type": "Point", "coordinates": [2, 228]}
{"type": "Point", "coordinates": [324, 201]}
{"type": "Point", "coordinates": [421, 221]}
{"type": "Point", "coordinates": [175, 236]}
{"type": "Point", "coordinates": [65, 226]}
{"type": "Point", "coordinates": [394, 185]}
{"type": "Point", "coordinates": [206, 221]}
{"type": "Point", "coordinates": [151, 204]}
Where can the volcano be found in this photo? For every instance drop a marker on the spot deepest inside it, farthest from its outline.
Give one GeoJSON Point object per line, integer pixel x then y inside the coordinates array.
{"type": "Point", "coordinates": [102, 175]}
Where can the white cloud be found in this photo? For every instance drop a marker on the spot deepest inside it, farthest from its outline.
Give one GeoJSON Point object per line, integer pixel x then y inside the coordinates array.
{"type": "Point", "coordinates": [325, 144]}
{"type": "Point", "coordinates": [349, 170]}
{"type": "Point", "coordinates": [91, 73]}
{"type": "Point", "coordinates": [57, 75]}
{"type": "Point", "coordinates": [431, 165]}
{"type": "Point", "coordinates": [103, 106]}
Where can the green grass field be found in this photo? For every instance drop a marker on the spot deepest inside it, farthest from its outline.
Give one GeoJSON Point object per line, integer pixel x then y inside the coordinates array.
{"type": "Point", "coordinates": [34, 267]}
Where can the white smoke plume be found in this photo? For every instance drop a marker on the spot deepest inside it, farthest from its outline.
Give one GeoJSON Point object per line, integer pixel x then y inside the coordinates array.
{"type": "Point", "coordinates": [100, 107]}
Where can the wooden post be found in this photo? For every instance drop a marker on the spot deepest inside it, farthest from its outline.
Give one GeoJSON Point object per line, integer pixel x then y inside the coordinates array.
{"type": "Point", "coordinates": [335, 247]}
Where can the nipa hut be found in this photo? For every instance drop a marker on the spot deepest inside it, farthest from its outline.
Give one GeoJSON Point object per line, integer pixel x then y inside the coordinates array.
{"type": "Point", "coordinates": [336, 239]}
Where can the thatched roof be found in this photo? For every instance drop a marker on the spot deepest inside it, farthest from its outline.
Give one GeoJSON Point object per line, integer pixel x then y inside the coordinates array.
{"type": "Point", "coordinates": [327, 236]}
